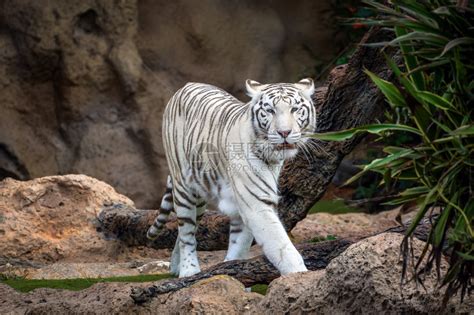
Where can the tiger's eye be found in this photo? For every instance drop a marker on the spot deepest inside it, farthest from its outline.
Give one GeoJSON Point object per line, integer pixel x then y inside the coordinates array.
{"type": "Point", "coordinates": [293, 110]}
{"type": "Point", "coordinates": [271, 111]}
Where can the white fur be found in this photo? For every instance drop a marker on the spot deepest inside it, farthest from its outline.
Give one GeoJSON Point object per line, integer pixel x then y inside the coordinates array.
{"type": "Point", "coordinates": [249, 206]}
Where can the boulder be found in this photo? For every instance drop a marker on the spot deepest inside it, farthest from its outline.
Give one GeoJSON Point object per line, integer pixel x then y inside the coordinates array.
{"type": "Point", "coordinates": [217, 295]}
{"type": "Point", "coordinates": [365, 279]}
{"type": "Point", "coordinates": [55, 218]}
{"type": "Point", "coordinates": [101, 298]}
{"type": "Point", "coordinates": [284, 291]}
{"type": "Point", "coordinates": [346, 225]}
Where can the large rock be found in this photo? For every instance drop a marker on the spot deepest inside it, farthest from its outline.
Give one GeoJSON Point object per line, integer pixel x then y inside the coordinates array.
{"type": "Point", "coordinates": [50, 229]}
{"type": "Point", "coordinates": [365, 279]}
{"type": "Point", "coordinates": [54, 218]}
{"type": "Point", "coordinates": [346, 225]}
{"type": "Point", "coordinates": [217, 295]}
{"type": "Point", "coordinates": [83, 84]}
{"type": "Point", "coordinates": [284, 291]}
{"type": "Point", "coordinates": [101, 298]}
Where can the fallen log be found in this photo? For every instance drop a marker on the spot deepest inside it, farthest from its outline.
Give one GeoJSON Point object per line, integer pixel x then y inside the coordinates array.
{"type": "Point", "coordinates": [250, 271]}
{"type": "Point", "coordinates": [130, 225]}
{"type": "Point", "coordinates": [259, 270]}
{"type": "Point", "coordinates": [348, 99]}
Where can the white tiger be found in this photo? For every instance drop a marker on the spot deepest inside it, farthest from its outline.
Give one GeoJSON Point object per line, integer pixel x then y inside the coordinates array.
{"type": "Point", "coordinates": [204, 128]}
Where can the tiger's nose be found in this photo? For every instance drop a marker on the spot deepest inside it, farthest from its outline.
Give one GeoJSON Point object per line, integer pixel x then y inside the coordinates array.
{"type": "Point", "coordinates": [284, 133]}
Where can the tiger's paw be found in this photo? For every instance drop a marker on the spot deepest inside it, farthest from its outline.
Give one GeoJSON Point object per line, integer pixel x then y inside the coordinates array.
{"type": "Point", "coordinates": [174, 269]}
{"type": "Point", "coordinates": [188, 271]}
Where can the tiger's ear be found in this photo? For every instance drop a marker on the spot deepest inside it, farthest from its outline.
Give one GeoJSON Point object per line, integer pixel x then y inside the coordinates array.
{"type": "Point", "coordinates": [254, 88]}
{"type": "Point", "coordinates": [307, 87]}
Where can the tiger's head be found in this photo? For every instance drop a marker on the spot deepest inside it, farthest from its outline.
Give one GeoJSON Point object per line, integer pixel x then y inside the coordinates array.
{"type": "Point", "coordinates": [282, 115]}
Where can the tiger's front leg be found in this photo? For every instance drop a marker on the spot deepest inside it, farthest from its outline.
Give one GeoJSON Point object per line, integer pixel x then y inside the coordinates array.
{"type": "Point", "coordinates": [270, 234]}
{"type": "Point", "coordinates": [240, 240]}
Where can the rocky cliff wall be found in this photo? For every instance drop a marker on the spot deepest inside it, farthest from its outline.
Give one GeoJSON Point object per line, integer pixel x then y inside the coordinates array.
{"type": "Point", "coordinates": [83, 83]}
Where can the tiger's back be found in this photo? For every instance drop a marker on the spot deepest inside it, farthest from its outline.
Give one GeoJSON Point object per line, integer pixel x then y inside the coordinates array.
{"type": "Point", "coordinates": [193, 123]}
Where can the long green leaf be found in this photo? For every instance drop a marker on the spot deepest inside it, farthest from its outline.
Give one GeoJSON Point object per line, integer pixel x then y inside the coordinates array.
{"type": "Point", "coordinates": [465, 256]}
{"type": "Point", "coordinates": [374, 129]}
{"type": "Point", "coordinates": [390, 91]}
{"type": "Point", "coordinates": [379, 165]}
{"type": "Point", "coordinates": [415, 191]}
{"type": "Point", "coordinates": [464, 131]}
{"type": "Point", "coordinates": [400, 201]}
{"type": "Point", "coordinates": [429, 66]}
{"type": "Point", "coordinates": [425, 37]}
{"type": "Point", "coordinates": [435, 100]}
{"type": "Point", "coordinates": [380, 162]}
{"type": "Point", "coordinates": [457, 42]}
{"type": "Point", "coordinates": [419, 12]}
{"type": "Point", "coordinates": [441, 226]}
{"type": "Point", "coordinates": [429, 199]}
{"type": "Point", "coordinates": [411, 61]}
{"type": "Point", "coordinates": [383, 8]}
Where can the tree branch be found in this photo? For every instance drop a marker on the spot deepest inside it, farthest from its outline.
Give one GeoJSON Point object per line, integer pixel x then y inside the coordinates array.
{"type": "Point", "coordinates": [348, 99]}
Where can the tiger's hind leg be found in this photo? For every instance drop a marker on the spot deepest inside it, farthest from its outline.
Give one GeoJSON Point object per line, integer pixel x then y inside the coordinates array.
{"type": "Point", "coordinates": [185, 207]}
{"type": "Point", "coordinates": [175, 256]}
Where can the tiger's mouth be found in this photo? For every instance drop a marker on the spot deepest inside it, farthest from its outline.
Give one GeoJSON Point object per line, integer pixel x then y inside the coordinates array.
{"type": "Point", "coordinates": [285, 146]}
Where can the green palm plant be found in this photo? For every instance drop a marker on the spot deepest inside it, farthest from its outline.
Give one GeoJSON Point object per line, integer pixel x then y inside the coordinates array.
{"type": "Point", "coordinates": [432, 100]}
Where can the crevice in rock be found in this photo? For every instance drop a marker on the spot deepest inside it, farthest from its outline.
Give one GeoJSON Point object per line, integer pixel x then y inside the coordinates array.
{"type": "Point", "coordinates": [87, 22]}
{"type": "Point", "coordinates": [11, 166]}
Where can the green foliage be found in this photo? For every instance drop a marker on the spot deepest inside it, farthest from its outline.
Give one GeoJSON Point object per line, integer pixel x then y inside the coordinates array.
{"type": "Point", "coordinates": [318, 239]}
{"type": "Point", "coordinates": [434, 91]}
{"type": "Point", "coordinates": [26, 285]}
{"type": "Point", "coordinates": [335, 206]}
{"type": "Point", "coordinates": [375, 129]}
{"type": "Point", "coordinates": [367, 191]}
{"type": "Point", "coordinates": [260, 288]}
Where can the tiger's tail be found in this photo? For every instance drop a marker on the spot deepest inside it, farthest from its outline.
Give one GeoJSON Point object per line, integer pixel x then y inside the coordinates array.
{"type": "Point", "coordinates": [165, 209]}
